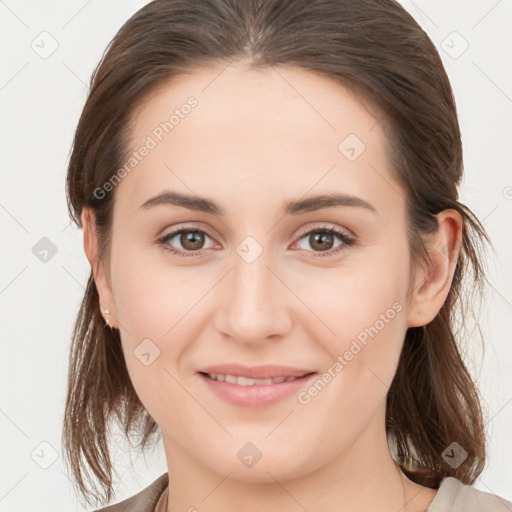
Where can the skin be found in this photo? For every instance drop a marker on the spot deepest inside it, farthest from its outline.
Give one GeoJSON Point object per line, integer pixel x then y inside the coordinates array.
{"type": "Point", "coordinates": [256, 140]}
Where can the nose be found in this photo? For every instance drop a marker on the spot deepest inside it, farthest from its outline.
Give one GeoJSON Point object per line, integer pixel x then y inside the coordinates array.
{"type": "Point", "coordinates": [253, 305]}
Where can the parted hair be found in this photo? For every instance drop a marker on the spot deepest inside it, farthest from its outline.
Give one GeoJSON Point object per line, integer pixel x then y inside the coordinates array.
{"type": "Point", "coordinates": [379, 52]}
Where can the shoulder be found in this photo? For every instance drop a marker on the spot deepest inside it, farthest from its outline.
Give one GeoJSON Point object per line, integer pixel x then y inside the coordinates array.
{"type": "Point", "coordinates": [454, 496]}
{"type": "Point", "coordinates": [144, 501]}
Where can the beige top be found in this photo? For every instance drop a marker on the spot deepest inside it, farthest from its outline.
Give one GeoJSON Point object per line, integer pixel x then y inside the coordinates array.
{"type": "Point", "coordinates": [161, 506]}
{"type": "Point", "coordinates": [452, 496]}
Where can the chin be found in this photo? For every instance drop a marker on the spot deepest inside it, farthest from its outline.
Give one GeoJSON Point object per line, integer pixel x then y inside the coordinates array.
{"type": "Point", "coordinates": [265, 464]}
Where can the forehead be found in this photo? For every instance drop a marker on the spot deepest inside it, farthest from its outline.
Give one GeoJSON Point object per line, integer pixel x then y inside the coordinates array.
{"type": "Point", "coordinates": [279, 131]}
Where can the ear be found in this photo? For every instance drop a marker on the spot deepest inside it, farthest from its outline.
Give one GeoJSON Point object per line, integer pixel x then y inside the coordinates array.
{"type": "Point", "coordinates": [433, 284]}
{"type": "Point", "coordinates": [101, 280]}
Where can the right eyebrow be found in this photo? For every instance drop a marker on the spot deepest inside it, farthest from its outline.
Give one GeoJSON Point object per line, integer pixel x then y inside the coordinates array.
{"type": "Point", "coordinates": [184, 201]}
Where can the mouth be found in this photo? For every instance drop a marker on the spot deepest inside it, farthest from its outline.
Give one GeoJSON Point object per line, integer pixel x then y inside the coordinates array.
{"type": "Point", "coordinates": [254, 390]}
{"type": "Point", "coordinates": [248, 381]}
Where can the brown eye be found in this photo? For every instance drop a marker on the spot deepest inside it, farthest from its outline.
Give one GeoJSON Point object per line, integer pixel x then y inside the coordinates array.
{"type": "Point", "coordinates": [185, 242]}
{"type": "Point", "coordinates": [191, 240]}
{"type": "Point", "coordinates": [323, 240]}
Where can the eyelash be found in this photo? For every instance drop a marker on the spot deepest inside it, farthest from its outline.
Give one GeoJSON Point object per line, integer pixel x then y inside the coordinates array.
{"type": "Point", "coordinates": [346, 239]}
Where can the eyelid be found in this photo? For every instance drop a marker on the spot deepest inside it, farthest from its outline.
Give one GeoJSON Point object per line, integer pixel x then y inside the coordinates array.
{"type": "Point", "coordinates": [326, 226]}
{"type": "Point", "coordinates": [196, 226]}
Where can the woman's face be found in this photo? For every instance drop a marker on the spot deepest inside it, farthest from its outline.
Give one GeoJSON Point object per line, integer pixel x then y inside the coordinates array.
{"type": "Point", "coordinates": [256, 280]}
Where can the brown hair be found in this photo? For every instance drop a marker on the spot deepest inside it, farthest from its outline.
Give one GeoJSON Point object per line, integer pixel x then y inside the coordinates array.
{"type": "Point", "coordinates": [378, 51]}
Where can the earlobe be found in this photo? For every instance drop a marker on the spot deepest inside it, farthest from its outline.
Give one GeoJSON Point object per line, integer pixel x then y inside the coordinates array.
{"type": "Point", "coordinates": [91, 249]}
{"type": "Point", "coordinates": [433, 284]}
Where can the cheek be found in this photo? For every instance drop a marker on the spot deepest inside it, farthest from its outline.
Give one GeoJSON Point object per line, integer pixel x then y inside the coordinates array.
{"type": "Point", "coordinates": [360, 319]}
{"type": "Point", "coordinates": [152, 306]}
{"type": "Point", "coordinates": [347, 300]}
{"type": "Point", "coordinates": [159, 310]}
{"type": "Point", "coordinates": [369, 323]}
{"type": "Point", "coordinates": [151, 297]}
{"type": "Point", "coordinates": [363, 321]}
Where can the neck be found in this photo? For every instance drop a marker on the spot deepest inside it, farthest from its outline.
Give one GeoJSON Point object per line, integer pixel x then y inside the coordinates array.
{"type": "Point", "coordinates": [362, 477]}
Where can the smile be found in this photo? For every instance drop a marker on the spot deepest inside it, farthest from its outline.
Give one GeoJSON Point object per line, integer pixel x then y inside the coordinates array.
{"type": "Point", "coordinates": [249, 392]}
{"type": "Point", "coordinates": [246, 381]}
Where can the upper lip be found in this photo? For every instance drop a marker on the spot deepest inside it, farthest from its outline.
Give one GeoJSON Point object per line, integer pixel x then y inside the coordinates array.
{"type": "Point", "coordinates": [256, 372]}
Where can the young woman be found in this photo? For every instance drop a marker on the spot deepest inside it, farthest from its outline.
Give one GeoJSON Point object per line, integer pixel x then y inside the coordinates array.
{"type": "Point", "coordinates": [268, 193]}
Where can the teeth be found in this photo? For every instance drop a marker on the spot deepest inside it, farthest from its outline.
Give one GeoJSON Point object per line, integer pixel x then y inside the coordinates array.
{"type": "Point", "coordinates": [245, 381]}
{"type": "Point", "coordinates": [231, 379]}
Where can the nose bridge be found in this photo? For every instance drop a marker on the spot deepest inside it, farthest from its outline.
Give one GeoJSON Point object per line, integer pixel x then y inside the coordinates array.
{"type": "Point", "coordinates": [254, 306]}
{"type": "Point", "coordinates": [251, 276]}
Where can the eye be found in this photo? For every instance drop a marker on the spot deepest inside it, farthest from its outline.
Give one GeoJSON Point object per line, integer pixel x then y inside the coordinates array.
{"type": "Point", "coordinates": [323, 238]}
{"type": "Point", "coordinates": [190, 239]}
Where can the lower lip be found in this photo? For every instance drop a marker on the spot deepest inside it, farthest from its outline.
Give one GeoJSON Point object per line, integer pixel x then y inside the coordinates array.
{"type": "Point", "coordinates": [256, 395]}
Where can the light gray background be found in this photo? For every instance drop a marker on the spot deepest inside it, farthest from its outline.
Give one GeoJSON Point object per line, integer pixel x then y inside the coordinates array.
{"type": "Point", "coordinates": [41, 100]}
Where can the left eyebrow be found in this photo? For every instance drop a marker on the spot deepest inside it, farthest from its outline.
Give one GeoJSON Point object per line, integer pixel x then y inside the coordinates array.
{"type": "Point", "coordinates": [322, 201]}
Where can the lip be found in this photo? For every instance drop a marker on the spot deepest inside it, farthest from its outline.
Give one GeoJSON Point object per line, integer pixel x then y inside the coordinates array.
{"type": "Point", "coordinates": [256, 372]}
{"type": "Point", "coordinates": [256, 396]}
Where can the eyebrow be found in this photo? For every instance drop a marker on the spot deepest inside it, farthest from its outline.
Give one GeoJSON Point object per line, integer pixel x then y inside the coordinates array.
{"type": "Point", "coordinates": [309, 204]}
